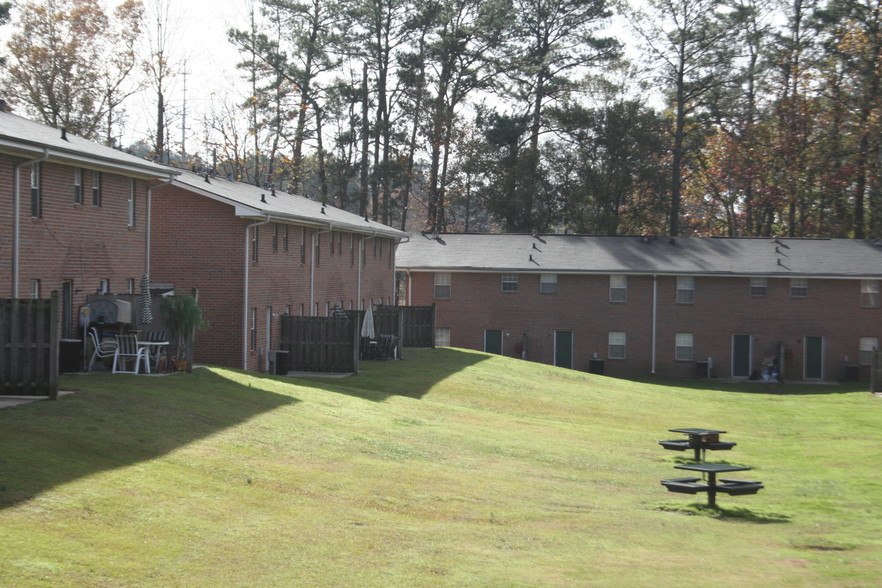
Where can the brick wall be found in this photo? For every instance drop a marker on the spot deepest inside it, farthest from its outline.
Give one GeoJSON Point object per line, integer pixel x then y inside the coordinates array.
{"type": "Point", "coordinates": [722, 307]}
{"type": "Point", "coordinates": [80, 243]}
{"type": "Point", "coordinates": [199, 243]}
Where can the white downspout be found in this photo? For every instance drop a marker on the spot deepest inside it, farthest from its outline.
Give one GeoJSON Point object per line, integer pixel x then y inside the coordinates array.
{"type": "Point", "coordinates": [315, 237]}
{"type": "Point", "coordinates": [16, 221]}
{"type": "Point", "coordinates": [654, 317]}
{"type": "Point", "coordinates": [245, 297]}
{"type": "Point", "coordinates": [360, 260]}
{"type": "Point", "coordinates": [148, 243]}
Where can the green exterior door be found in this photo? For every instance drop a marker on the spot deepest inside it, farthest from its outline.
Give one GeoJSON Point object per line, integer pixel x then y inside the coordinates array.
{"type": "Point", "coordinates": [563, 349]}
{"type": "Point", "coordinates": [814, 358]}
{"type": "Point", "coordinates": [741, 356]}
{"type": "Point", "coordinates": [493, 341]}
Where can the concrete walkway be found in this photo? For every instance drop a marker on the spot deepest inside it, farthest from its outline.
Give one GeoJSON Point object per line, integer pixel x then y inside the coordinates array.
{"type": "Point", "coordinates": [10, 401]}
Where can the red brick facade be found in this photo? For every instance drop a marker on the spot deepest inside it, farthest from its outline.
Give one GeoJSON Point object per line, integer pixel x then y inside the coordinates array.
{"type": "Point", "coordinates": [199, 243]}
{"type": "Point", "coordinates": [830, 319]}
{"type": "Point", "coordinates": [69, 245]}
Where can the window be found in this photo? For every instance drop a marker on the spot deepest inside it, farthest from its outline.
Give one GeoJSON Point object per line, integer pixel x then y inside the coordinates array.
{"type": "Point", "coordinates": [869, 345]}
{"type": "Point", "coordinates": [254, 243]}
{"type": "Point", "coordinates": [685, 290]}
{"type": "Point", "coordinates": [683, 347]}
{"type": "Point", "coordinates": [617, 341]}
{"type": "Point", "coordinates": [798, 287]}
{"type": "Point", "coordinates": [318, 248]}
{"type": "Point", "coordinates": [618, 288]}
{"type": "Point", "coordinates": [759, 286]}
{"type": "Point", "coordinates": [509, 282]}
{"type": "Point", "coordinates": [548, 283]}
{"type": "Point", "coordinates": [35, 289]}
{"type": "Point", "coordinates": [442, 285]}
{"type": "Point", "coordinates": [285, 237]}
{"type": "Point", "coordinates": [36, 195]}
{"type": "Point", "coordinates": [302, 244]}
{"type": "Point", "coordinates": [130, 285]}
{"type": "Point", "coordinates": [275, 236]}
{"type": "Point", "coordinates": [870, 293]}
{"type": "Point", "coordinates": [333, 243]}
{"type": "Point", "coordinates": [252, 332]}
{"type": "Point", "coordinates": [78, 186]}
{"type": "Point", "coordinates": [131, 202]}
{"type": "Point", "coordinates": [442, 337]}
{"type": "Point", "coordinates": [96, 188]}
{"type": "Point", "coordinates": [351, 249]}
{"type": "Point", "coordinates": [104, 286]}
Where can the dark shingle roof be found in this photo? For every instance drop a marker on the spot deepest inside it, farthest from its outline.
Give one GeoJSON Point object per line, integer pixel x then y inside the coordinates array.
{"type": "Point", "coordinates": [281, 206]}
{"type": "Point", "coordinates": [26, 138]}
{"type": "Point", "coordinates": [782, 257]}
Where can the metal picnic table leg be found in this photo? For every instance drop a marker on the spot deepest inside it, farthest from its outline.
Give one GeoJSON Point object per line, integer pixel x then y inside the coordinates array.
{"type": "Point", "coordinates": [712, 489]}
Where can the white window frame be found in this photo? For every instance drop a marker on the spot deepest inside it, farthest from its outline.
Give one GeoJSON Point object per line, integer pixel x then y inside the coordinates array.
{"type": "Point", "coordinates": [759, 286]}
{"type": "Point", "coordinates": [684, 346]}
{"type": "Point", "coordinates": [36, 192]}
{"type": "Point", "coordinates": [798, 287]}
{"type": "Point", "coordinates": [104, 286]}
{"type": "Point", "coordinates": [78, 185]}
{"type": "Point", "coordinates": [617, 345]}
{"type": "Point", "coordinates": [130, 202]}
{"type": "Point", "coordinates": [442, 337]}
{"type": "Point", "coordinates": [130, 285]}
{"type": "Point", "coordinates": [35, 289]}
{"type": "Point", "coordinates": [618, 288]}
{"type": "Point", "coordinates": [442, 288]}
{"type": "Point", "coordinates": [548, 283]}
{"type": "Point", "coordinates": [685, 290]}
{"type": "Point", "coordinates": [96, 188]}
{"type": "Point", "coordinates": [870, 293]}
{"type": "Point", "coordinates": [867, 347]}
{"type": "Point", "coordinates": [509, 282]}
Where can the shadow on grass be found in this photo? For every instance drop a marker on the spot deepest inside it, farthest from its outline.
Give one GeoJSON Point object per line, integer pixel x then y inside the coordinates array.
{"type": "Point", "coordinates": [759, 387]}
{"type": "Point", "coordinates": [741, 514]}
{"type": "Point", "coordinates": [413, 377]}
{"type": "Point", "coordinates": [117, 421]}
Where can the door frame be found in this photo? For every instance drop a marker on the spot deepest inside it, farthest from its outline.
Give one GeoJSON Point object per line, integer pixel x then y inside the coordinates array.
{"type": "Point", "coordinates": [487, 339]}
{"type": "Point", "coordinates": [749, 355]}
{"type": "Point", "coordinates": [805, 357]}
{"type": "Point", "coordinates": [572, 347]}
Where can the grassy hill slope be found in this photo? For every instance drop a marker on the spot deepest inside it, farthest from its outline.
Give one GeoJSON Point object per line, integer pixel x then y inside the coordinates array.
{"type": "Point", "coordinates": [449, 468]}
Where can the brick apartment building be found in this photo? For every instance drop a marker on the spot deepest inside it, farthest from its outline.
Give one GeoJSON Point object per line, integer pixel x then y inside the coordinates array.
{"type": "Point", "coordinates": [74, 217]}
{"type": "Point", "coordinates": [254, 254]}
{"type": "Point", "coordinates": [801, 309]}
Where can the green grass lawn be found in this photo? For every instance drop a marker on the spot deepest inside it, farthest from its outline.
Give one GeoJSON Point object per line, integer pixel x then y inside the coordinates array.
{"type": "Point", "coordinates": [450, 468]}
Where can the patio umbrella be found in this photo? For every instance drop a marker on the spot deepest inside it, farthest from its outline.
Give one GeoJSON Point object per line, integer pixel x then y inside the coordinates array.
{"type": "Point", "coordinates": [146, 310]}
{"type": "Point", "coordinates": [367, 326]}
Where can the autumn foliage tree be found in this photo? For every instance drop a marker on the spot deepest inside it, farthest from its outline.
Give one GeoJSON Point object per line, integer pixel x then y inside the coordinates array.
{"type": "Point", "coordinates": [70, 63]}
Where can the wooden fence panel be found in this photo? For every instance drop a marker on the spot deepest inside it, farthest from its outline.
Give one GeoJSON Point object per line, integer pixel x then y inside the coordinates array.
{"type": "Point", "coordinates": [418, 326]}
{"type": "Point", "coordinates": [320, 344]}
{"type": "Point", "coordinates": [29, 334]}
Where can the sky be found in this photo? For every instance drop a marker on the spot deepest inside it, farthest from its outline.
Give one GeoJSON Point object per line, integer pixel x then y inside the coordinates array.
{"type": "Point", "coordinates": [206, 66]}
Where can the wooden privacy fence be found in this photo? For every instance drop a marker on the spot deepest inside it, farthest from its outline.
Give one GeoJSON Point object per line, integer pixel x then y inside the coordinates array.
{"type": "Point", "coordinates": [29, 332]}
{"type": "Point", "coordinates": [320, 344]}
{"type": "Point", "coordinates": [413, 325]}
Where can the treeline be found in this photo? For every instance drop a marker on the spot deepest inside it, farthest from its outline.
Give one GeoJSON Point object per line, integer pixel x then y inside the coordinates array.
{"type": "Point", "coordinates": [732, 117]}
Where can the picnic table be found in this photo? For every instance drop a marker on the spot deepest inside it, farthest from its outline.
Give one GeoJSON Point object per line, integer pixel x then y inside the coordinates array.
{"type": "Point", "coordinates": [731, 486]}
{"type": "Point", "coordinates": [699, 440]}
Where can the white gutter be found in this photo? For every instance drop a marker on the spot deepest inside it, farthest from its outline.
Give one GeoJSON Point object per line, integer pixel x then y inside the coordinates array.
{"type": "Point", "coordinates": [315, 237]}
{"type": "Point", "coordinates": [245, 292]}
{"type": "Point", "coordinates": [148, 244]}
{"type": "Point", "coordinates": [654, 317]}
{"type": "Point", "coordinates": [361, 255]}
{"type": "Point", "coordinates": [16, 221]}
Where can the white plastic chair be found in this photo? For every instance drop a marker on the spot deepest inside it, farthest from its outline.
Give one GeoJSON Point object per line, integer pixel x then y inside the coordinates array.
{"type": "Point", "coordinates": [127, 348]}
{"type": "Point", "coordinates": [105, 348]}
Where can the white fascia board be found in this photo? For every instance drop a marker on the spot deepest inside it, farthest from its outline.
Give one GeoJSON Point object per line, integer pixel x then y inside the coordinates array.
{"type": "Point", "coordinates": [148, 170]}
